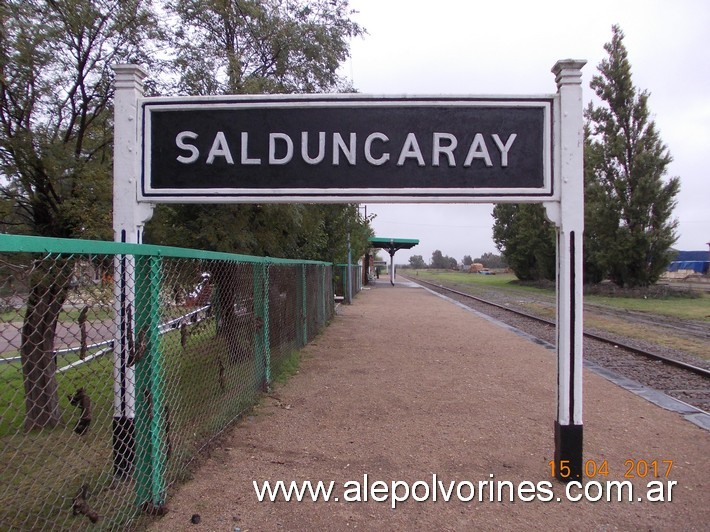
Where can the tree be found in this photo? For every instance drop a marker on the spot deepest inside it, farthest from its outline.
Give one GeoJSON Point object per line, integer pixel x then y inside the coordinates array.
{"type": "Point", "coordinates": [629, 231]}
{"type": "Point", "coordinates": [438, 260]}
{"type": "Point", "coordinates": [527, 240]}
{"type": "Point", "coordinates": [260, 46]}
{"type": "Point", "coordinates": [55, 148]}
{"type": "Point", "coordinates": [491, 260]}
{"type": "Point", "coordinates": [467, 260]}
{"type": "Point", "coordinates": [417, 262]}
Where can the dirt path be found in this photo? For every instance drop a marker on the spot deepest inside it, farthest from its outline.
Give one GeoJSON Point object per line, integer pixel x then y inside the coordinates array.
{"type": "Point", "coordinates": [404, 385]}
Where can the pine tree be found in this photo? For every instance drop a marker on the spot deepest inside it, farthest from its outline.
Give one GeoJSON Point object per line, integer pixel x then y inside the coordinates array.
{"type": "Point", "coordinates": [628, 225]}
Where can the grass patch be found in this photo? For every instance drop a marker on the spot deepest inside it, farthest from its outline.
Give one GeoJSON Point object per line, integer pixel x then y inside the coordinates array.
{"type": "Point", "coordinates": [503, 281]}
{"type": "Point", "coordinates": [683, 305]}
{"type": "Point", "coordinates": [686, 308]}
{"type": "Point", "coordinates": [43, 470]}
{"type": "Point", "coordinates": [287, 367]}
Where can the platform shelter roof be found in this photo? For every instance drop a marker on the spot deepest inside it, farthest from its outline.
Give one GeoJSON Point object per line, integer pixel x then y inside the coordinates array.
{"type": "Point", "coordinates": [391, 245]}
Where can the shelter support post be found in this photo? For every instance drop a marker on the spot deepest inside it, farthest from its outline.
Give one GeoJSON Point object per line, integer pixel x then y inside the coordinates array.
{"type": "Point", "coordinates": [129, 218]}
{"type": "Point", "coordinates": [568, 217]}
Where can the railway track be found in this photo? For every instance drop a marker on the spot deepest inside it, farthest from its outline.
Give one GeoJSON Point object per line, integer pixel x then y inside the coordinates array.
{"type": "Point", "coordinates": [685, 381]}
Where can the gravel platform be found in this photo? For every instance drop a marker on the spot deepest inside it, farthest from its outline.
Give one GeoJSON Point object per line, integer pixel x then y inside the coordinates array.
{"type": "Point", "coordinates": [404, 385]}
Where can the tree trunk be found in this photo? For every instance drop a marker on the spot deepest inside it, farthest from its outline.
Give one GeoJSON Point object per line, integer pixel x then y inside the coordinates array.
{"type": "Point", "coordinates": [48, 291]}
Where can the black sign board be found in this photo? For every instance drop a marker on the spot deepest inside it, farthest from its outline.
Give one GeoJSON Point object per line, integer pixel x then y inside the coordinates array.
{"type": "Point", "coordinates": [348, 148]}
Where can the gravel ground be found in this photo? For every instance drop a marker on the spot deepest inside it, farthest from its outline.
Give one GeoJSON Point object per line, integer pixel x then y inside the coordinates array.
{"type": "Point", "coordinates": [404, 385]}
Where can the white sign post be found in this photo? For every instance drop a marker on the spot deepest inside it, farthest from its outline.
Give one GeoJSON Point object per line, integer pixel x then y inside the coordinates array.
{"type": "Point", "coordinates": [358, 148]}
{"type": "Point", "coordinates": [129, 218]}
{"type": "Point", "coordinates": [568, 216]}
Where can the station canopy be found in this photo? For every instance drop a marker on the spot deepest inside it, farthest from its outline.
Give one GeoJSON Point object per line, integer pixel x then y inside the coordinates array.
{"type": "Point", "coordinates": [392, 245]}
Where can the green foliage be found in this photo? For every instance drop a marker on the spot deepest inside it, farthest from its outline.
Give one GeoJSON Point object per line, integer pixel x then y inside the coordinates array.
{"type": "Point", "coordinates": [527, 240]}
{"type": "Point", "coordinates": [55, 146]}
{"type": "Point", "coordinates": [491, 260]}
{"type": "Point", "coordinates": [440, 261]}
{"type": "Point", "coordinates": [55, 110]}
{"type": "Point", "coordinates": [417, 262]}
{"type": "Point", "coordinates": [628, 205]}
{"type": "Point", "coordinates": [314, 232]}
{"type": "Point", "coordinates": [629, 231]}
{"type": "Point", "coordinates": [261, 46]}
{"type": "Point", "coordinates": [287, 367]}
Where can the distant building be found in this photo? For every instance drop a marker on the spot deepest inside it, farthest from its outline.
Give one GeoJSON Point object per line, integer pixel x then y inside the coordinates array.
{"type": "Point", "coordinates": [690, 262]}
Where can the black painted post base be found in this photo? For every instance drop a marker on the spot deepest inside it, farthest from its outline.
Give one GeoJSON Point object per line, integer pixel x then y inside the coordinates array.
{"type": "Point", "coordinates": [568, 452]}
{"type": "Point", "coordinates": [123, 447]}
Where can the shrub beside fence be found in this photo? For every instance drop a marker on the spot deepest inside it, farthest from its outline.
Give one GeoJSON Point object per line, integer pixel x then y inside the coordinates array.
{"type": "Point", "coordinates": [108, 394]}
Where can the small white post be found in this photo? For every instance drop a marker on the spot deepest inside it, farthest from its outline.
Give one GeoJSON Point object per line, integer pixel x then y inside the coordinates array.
{"type": "Point", "coordinates": [129, 218]}
{"type": "Point", "coordinates": [568, 216]}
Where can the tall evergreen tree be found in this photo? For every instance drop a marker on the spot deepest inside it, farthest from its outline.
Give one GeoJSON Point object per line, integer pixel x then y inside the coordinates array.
{"type": "Point", "coordinates": [629, 230]}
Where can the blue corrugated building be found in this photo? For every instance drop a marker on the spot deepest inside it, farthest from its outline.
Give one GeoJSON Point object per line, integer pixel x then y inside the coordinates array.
{"type": "Point", "coordinates": [697, 261]}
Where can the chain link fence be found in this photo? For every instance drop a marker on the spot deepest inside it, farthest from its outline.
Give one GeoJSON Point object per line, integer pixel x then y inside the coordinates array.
{"type": "Point", "coordinates": [119, 362]}
{"type": "Point", "coordinates": [347, 286]}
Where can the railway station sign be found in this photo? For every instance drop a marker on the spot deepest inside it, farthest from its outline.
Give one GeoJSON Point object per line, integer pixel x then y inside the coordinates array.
{"type": "Point", "coordinates": [347, 148]}
{"type": "Point", "coordinates": [364, 149]}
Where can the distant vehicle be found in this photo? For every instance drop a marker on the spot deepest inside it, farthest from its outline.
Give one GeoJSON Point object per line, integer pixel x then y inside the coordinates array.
{"type": "Point", "coordinates": [486, 271]}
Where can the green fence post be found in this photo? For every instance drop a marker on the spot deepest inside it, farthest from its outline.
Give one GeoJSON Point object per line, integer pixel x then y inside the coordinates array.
{"type": "Point", "coordinates": [262, 348]}
{"type": "Point", "coordinates": [321, 294]}
{"type": "Point", "coordinates": [300, 298]}
{"type": "Point", "coordinates": [304, 304]}
{"type": "Point", "coordinates": [150, 449]}
{"type": "Point", "coordinates": [344, 276]}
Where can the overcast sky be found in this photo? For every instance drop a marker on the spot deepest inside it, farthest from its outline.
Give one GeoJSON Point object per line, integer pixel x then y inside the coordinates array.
{"type": "Point", "coordinates": [508, 47]}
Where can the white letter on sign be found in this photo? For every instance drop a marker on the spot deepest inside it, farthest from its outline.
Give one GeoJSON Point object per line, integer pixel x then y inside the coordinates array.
{"type": "Point", "coordinates": [410, 149]}
{"type": "Point", "coordinates": [179, 142]}
{"type": "Point", "coordinates": [272, 148]}
{"type": "Point", "coordinates": [220, 149]}
{"type": "Point", "coordinates": [245, 148]}
{"type": "Point", "coordinates": [382, 159]}
{"type": "Point", "coordinates": [448, 150]}
{"type": "Point", "coordinates": [478, 150]}
{"type": "Point", "coordinates": [504, 148]}
{"type": "Point", "coordinates": [304, 148]}
{"type": "Point", "coordinates": [348, 150]}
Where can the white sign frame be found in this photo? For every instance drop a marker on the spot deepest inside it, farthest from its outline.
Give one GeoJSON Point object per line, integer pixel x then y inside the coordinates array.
{"type": "Point", "coordinates": [149, 106]}
{"type": "Point", "coordinates": [564, 207]}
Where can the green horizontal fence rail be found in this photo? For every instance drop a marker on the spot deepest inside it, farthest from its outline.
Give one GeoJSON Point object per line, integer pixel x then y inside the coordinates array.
{"type": "Point", "coordinates": [203, 336]}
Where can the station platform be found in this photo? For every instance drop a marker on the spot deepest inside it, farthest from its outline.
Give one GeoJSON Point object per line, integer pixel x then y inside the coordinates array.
{"type": "Point", "coordinates": [406, 386]}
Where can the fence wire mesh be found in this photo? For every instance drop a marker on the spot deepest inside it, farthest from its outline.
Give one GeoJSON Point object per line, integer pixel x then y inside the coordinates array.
{"type": "Point", "coordinates": [117, 367]}
{"type": "Point", "coordinates": [347, 281]}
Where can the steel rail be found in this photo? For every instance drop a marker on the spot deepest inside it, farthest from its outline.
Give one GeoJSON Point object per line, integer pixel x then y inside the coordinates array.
{"type": "Point", "coordinates": [653, 356]}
